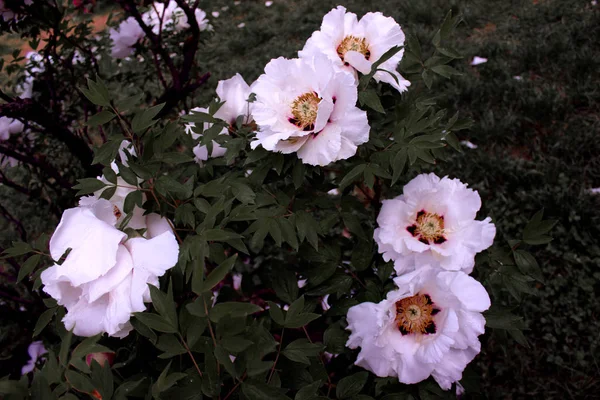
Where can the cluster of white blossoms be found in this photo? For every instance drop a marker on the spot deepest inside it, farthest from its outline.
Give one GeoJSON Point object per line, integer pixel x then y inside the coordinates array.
{"type": "Point", "coordinates": [11, 126]}
{"type": "Point", "coordinates": [429, 325]}
{"type": "Point", "coordinates": [234, 92]}
{"type": "Point", "coordinates": [161, 17]}
{"type": "Point", "coordinates": [105, 275]}
{"type": "Point", "coordinates": [307, 105]}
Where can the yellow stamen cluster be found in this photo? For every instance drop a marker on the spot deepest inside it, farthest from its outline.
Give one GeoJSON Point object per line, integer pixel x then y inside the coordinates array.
{"type": "Point", "coordinates": [353, 43]}
{"type": "Point", "coordinates": [415, 315]}
{"type": "Point", "coordinates": [304, 110]}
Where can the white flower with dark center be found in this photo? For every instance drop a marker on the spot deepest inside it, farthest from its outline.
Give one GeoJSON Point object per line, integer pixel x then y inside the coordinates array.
{"type": "Point", "coordinates": [125, 37]}
{"type": "Point", "coordinates": [354, 45]}
{"type": "Point", "coordinates": [307, 107]}
{"type": "Point", "coordinates": [35, 351]}
{"type": "Point", "coordinates": [112, 284]}
{"type": "Point", "coordinates": [170, 17]}
{"type": "Point", "coordinates": [234, 92]}
{"type": "Point", "coordinates": [429, 326]}
{"type": "Point", "coordinates": [433, 222]}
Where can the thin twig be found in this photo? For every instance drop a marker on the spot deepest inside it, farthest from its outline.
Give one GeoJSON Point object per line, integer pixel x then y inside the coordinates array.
{"type": "Point", "coordinates": [190, 353]}
{"type": "Point", "coordinates": [277, 356]}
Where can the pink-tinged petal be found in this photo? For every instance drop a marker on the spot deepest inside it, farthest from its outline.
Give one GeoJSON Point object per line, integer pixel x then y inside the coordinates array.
{"type": "Point", "coordinates": [101, 358]}
{"type": "Point", "coordinates": [108, 282]}
{"type": "Point", "coordinates": [157, 225]}
{"type": "Point", "coordinates": [470, 292]}
{"type": "Point", "coordinates": [119, 308]}
{"type": "Point", "coordinates": [61, 290]}
{"type": "Point", "coordinates": [234, 92]}
{"type": "Point", "coordinates": [323, 148]}
{"type": "Point", "coordinates": [155, 255]}
{"type": "Point", "coordinates": [87, 319]}
{"type": "Point", "coordinates": [323, 115]}
{"type": "Point", "coordinates": [355, 132]}
{"type": "Point", "coordinates": [93, 244]}
{"type": "Point", "coordinates": [358, 61]}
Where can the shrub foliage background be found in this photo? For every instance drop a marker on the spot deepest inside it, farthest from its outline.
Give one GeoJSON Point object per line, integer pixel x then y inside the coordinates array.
{"type": "Point", "coordinates": [536, 149]}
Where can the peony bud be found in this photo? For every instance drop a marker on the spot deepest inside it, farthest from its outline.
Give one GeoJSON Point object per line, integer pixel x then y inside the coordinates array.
{"type": "Point", "coordinates": [100, 358]}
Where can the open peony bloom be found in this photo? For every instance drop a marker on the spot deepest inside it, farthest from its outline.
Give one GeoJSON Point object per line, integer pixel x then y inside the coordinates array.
{"type": "Point", "coordinates": [428, 326]}
{"type": "Point", "coordinates": [234, 92]}
{"type": "Point", "coordinates": [104, 278]}
{"type": "Point", "coordinates": [170, 17]}
{"type": "Point", "coordinates": [433, 222]}
{"type": "Point", "coordinates": [354, 45]}
{"type": "Point", "coordinates": [35, 350]}
{"type": "Point", "coordinates": [125, 37]}
{"type": "Point", "coordinates": [307, 107]}
{"type": "Point", "coordinates": [9, 126]}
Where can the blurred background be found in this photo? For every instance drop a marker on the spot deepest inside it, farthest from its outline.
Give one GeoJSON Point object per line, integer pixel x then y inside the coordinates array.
{"type": "Point", "coordinates": [534, 96]}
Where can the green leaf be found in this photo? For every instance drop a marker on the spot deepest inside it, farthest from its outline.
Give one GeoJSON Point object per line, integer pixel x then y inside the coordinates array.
{"type": "Point", "coordinates": [63, 355]}
{"type": "Point", "coordinates": [144, 120]}
{"type": "Point", "coordinates": [335, 339]}
{"type": "Point", "coordinates": [101, 118]}
{"type": "Point", "coordinates": [79, 381]}
{"type": "Point", "coordinates": [28, 266]}
{"type": "Point", "coordinates": [352, 175]}
{"type": "Point", "coordinates": [255, 390]}
{"type": "Point", "coordinates": [536, 229]}
{"type": "Point", "coordinates": [88, 185]}
{"type": "Point", "coordinates": [299, 320]}
{"type": "Point", "coordinates": [299, 350]}
{"type": "Point", "coordinates": [351, 385]}
{"type": "Point", "coordinates": [219, 273]}
{"type": "Point", "coordinates": [232, 309]}
{"type": "Point", "coordinates": [285, 285]}
{"type": "Point", "coordinates": [165, 381]}
{"type": "Point", "coordinates": [445, 70]}
{"type": "Point", "coordinates": [87, 346]}
{"type": "Point", "coordinates": [108, 193]}
{"type": "Point", "coordinates": [235, 344]}
{"type": "Point", "coordinates": [427, 78]}
{"type": "Point", "coordinates": [164, 304]}
{"type": "Point", "coordinates": [243, 192]}
{"type": "Point", "coordinates": [276, 313]}
{"type": "Point", "coordinates": [170, 345]}
{"type": "Point", "coordinates": [309, 392]}
{"type": "Point", "coordinates": [354, 225]}
{"type": "Point", "coordinates": [220, 235]}
{"type": "Point", "coordinates": [166, 185]}
{"type": "Point", "coordinates": [222, 357]}
{"type": "Point", "coordinates": [43, 321]}
{"type": "Point", "coordinates": [370, 98]}
{"type": "Point", "coordinates": [17, 249]}
{"type": "Point", "coordinates": [362, 255]}
{"type": "Point", "coordinates": [94, 97]}
{"type": "Point", "coordinates": [528, 264]}
{"type": "Point", "coordinates": [156, 322]}
{"type": "Point", "coordinates": [133, 198]}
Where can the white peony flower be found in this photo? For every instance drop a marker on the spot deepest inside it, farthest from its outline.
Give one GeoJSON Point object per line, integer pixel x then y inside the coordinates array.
{"type": "Point", "coordinates": [433, 222]}
{"type": "Point", "coordinates": [9, 126]}
{"type": "Point", "coordinates": [306, 106]}
{"type": "Point", "coordinates": [171, 17]}
{"type": "Point", "coordinates": [354, 45]}
{"type": "Point", "coordinates": [428, 326]}
{"type": "Point", "coordinates": [125, 37]}
{"type": "Point", "coordinates": [104, 278]}
{"type": "Point", "coordinates": [233, 92]}
{"type": "Point", "coordinates": [35, 351]}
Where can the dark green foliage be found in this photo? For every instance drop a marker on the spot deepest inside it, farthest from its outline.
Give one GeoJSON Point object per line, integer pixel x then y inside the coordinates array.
{"type": "Point", "coordinates": [538, 149]}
